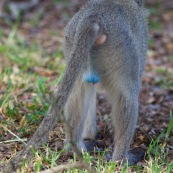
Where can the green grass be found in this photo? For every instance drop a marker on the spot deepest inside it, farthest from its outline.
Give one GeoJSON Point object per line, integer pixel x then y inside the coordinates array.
{"type": "Point", "coordinates": [156, 159]}
{"type": "Point", "coordinates": [64, 2]}
{"type": "Point", "coordinates": [171, 58]}
{"type": "Point", "coordinates": [155, 25]}
{"type": "Point", "coordinates": [154, 22]}
{"type": "Point", "coordinates": [166, 79]}
{"type": "Point", "coordinates": [24, 81]}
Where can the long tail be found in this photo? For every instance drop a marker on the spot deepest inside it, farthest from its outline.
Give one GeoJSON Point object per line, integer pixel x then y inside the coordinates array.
{"type": "Point", "coordinates": [85, 37]}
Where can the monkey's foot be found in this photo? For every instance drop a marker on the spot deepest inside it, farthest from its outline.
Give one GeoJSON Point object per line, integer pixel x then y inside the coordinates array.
{"type": "Point", "coordinates": [132, 157]}
{"type": "Point", "coordinates": [135, 155]}
{"type": "Point", "coordinates": [80, 145]}
{"type": "Point", "coordinates": [87, 145]}
{"type": "Point", "coordinates": [91, 145]}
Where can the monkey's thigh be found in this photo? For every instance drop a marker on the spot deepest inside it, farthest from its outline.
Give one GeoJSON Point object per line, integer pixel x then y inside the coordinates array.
{"type": "Point", "coordinates": [123, 90]}
{"type": "Point", "coordinates": [80, 112]}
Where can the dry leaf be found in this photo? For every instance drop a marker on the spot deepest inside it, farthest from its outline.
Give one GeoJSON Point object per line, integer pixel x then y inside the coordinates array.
{"type": "Point", "coordinates": [23, 122]}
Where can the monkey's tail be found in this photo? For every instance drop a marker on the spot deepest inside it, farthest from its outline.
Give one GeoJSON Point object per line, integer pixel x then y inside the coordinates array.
{"type": "Point", "coordinates": [85, 37]}
{"type": "Point", "coordinates": [85, 40]}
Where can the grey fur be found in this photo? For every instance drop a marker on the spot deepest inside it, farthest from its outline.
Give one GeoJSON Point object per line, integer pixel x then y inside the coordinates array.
{"type": "Point", "coordinates": [119, 61]}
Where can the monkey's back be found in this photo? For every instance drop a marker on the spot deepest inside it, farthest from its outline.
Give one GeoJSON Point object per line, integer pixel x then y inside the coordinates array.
{"type": "Point", "coordinates": [123, 22]}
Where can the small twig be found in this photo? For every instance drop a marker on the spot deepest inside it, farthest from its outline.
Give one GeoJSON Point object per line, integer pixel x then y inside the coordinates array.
{"type": "Point", "coordinates": [13, 140]}
{"type": "Point", "coordinates": [66, 167]}
{"type": "Point", "coordinates": [13, 134]}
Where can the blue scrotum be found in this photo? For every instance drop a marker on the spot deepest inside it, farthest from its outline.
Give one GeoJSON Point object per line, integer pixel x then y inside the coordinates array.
{"type": "Point", "coordinates": [91, 77]}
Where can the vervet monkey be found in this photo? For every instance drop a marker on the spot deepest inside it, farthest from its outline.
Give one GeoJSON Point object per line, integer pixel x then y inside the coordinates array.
{"type": "Point", "coordinates": [110, 37]}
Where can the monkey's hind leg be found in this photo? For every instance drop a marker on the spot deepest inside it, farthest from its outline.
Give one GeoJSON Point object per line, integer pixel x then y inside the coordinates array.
{"type": "Point", "coordinates": [89, 130]}
{"type": "Point", "coordinates": [89, 112]}
{"type": "Point", "coordinates": [124, 100]}
{"type": "Point", "coordinates": [80, 112]}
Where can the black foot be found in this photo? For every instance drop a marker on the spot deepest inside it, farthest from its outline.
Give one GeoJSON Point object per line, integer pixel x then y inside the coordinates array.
{"type": "Point", "coordinates": [135, 155]}
{"type": "Point", "coordinates": [91, 145]}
